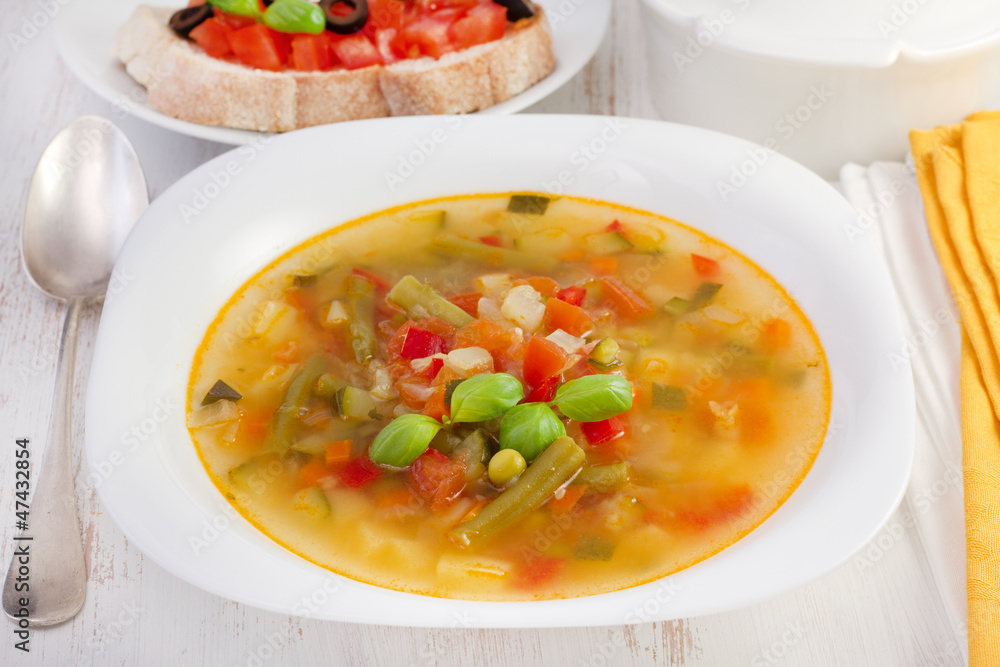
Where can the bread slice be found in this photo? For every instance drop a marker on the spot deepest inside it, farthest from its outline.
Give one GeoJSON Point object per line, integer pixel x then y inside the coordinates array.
{"type": "Point", "coordinates": [183, 82]}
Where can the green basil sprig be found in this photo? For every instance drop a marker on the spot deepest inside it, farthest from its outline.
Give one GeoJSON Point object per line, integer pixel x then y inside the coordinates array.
{"type": "Point", "coordinates": [295, 16]}
{"type": "Point", "coordinates": [529, 428]}
{"type": "Point", "coordinates": [485, 396]}
{"type": "Point", "coordinates": [593, 398]}
{"type": "Point", "coordinates": [238, 7]}
{"type": "Point", "coordinates": [403, 439]}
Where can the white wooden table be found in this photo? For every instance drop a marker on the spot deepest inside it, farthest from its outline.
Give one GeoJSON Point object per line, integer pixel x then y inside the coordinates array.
{"type": "Point", "coordinates": [882, 608]}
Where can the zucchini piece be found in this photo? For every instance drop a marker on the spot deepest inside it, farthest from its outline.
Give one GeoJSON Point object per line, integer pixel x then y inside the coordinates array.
{"type": "Point", "coordinates": [473, 453]}
{"type": "Point", "coordinates": [256, 473]}
{"type": "Point", "coordinates": [550, 242]}
{"type": "Point", "coordinates": [604, 356]}
{"type": "Point", "coordinates": [592, 547]}
{"type": "Point", "coordinates": [450, 388]}
{"type": "Point", "coordinates": [607, 243]}
{"type": "Point", "coordinates": [604, 479]}
{"type": "Point", "coordinates": [420, 300]}
{"type": "Point", "coordinates": [221, 391]}
{"type": "Point", "coordinates": [356, 403]}
{"type": "Point", "coordinates": [677, 306]}
{"type": "Point", "coordinates": [313, 445]}
{"type": "Point", "coordinates": [313, 502]}
{"type": "Point", "coordinates": [668, 397]}
{"type": "Point", "coordinates": [302, 279]}
{"type": "Point", "coordinates": [705, 293]}
{"type": "Point", "coordinates": [481, 253]}
{"type": "Point", "coordinates": [531, 204]}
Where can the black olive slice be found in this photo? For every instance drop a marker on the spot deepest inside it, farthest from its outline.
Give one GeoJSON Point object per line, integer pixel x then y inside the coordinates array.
{"type": "Point", "coordinates": [345, 25]}
{"type": "Point", "coordinates": [517, 9]}
{"type": "Point", "coordinates": [184, 21]}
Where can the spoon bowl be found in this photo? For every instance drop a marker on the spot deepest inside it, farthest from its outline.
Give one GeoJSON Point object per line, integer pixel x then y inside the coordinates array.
{"type": "Point", "coordinates": [86, 194]}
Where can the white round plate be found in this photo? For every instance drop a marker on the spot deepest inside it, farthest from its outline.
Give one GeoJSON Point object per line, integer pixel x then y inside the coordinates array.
{"type": "Point", "coordinates": [85, 30]}
{"type": "Point", "coordinates": [217, 226]}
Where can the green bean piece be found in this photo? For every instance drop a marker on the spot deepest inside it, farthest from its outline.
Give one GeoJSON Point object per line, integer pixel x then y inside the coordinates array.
{"type": "Point", "coordinates": [361, 297]}
{"type": "Point", "coordinates": [553, 467]}
{"type": "Point", "coordinates": [287, 420]}
{"type": "Point", "coordinates": [482, 253]}
{"type": "Point", "coordinates": [604, 479]}
{"type": "Point", "coordinates": [420, 300]}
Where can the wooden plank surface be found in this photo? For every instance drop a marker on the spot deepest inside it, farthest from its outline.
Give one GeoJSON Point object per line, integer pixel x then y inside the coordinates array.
{"type": "Point", "coordinates": [882, 608]}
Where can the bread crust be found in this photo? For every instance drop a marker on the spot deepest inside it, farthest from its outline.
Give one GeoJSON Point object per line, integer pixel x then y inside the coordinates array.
{"type": "Point", "coordinates": [184, 82]}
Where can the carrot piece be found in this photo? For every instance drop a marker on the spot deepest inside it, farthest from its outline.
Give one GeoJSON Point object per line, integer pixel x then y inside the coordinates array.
{"type": "Point", "coordinates": [435, 407]}
{"type": "Point", "coordinates": [704, 266]}
{"type": "Point", "coordinates": [312, 472]}
{"type": "Point", "coordinates": [776, 334]}
{"type": "Point", "coordinates": [625, 300]}
{"type": "Point", "coordinates": [339, 452]}
{"type": "Point", "coordinates": [568, 500]}
{"type": "Point", "coordinates": [468, 302]}
{"type": "Point", "coordinates": [571, 319]}
{"type": "Point", "coordinates": [397, 496]}
{"type": "Point", "coordinates": [604, 266]}
{"type": "Point", "coordinates": [492, 240]}
{"type": "Point", "coordinates": [545, 286]}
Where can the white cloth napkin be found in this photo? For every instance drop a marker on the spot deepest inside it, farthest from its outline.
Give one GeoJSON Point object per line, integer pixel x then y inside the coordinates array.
{"type": "Point", "coordinates": [890, 211]}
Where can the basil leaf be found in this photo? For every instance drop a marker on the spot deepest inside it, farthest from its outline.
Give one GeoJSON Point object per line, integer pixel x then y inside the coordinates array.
{"type": "Point", "coordinates": [403, 439]}
{"type": "Point", "coordinates": [295, 16]}
{"type": "Point", "coordinates": [529, 428]}
{"type": "Point", "coordinates": [485, 396]}
{"type": "Point", "coordinates": [238, 7]}
{"type": "Point", "coordinates": [593, 398]}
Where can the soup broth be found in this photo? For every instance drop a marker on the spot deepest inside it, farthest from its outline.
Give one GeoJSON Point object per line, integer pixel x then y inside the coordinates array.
{"type": "Point", "coordinates": [606, 396]}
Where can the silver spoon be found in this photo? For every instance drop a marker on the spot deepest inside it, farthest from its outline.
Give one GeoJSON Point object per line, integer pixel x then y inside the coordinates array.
{"type": "Point", "coordinates": [87, 191]}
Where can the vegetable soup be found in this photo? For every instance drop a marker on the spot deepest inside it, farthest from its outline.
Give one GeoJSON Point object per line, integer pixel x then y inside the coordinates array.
{"type": "Point", "coordinates": [509, 397]}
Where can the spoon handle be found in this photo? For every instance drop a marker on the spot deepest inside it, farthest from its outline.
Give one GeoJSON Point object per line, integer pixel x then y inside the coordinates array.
{"type": "Point", "coordinates": [50, 580]}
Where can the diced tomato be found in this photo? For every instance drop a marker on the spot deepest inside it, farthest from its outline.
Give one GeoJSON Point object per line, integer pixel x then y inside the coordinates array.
{"type": "Point", "coordinates": [492, 240]}
{"type": "Point", "coordinates": [468, 302]}
{"type": "Point", "coordinates": [571, 319]}
{"type": "Point", "coordinates": [310, 53]}
{"type": "Point", "coordinates": [433, 368]}
{"type": "Point", "coordinates": [384, 40]}
{"type": "Point", "coordinates": [603, 432]}
{"type": "Point", "coordinates": [287, 353]}
{"type": "Point", "coordinates": [412, 391]}
{"type": "Point", "coordinates": [211, 36]}
{"type": "Point", "coordinates": [312, 472]}
{"type": "Point", "coordinates": [354, 51]}
{"type": "Point", "coordinates": [539, 571]}
{"type": "Point", "coordinates": [436, 478]}
{"type": "Point", "coordinates": [625, 300]}
{"type": "Point", "coordinates": [253, 426]}
{"type": "Point", "coordinates": [233, 21]}
{"type": "Point", "coordinates": [255, 47]}
{"type": "Point", "coordinates": [572, 295]}
{"type": "Point", "coordinates": [544, 392]}
{"type": "Point", "coordinates": [422, 343]}
{"type": "Point", "coordinates": [616, 227]}
{"type": "Point", "coordinates": [704, 266]}
{"type": "Point", "coordinates": [338, 452]}
{"type": "Point", "coordinates": [359, 472]}
{"type": "Point", "coordinates": [543, 359]}
{"type": "Point", "coordinates": [776, 334]}
{"type": "Point", "coordinates": [384, 15]}
{"type": "Point", "coordinates": [372, 277]}
{"type": "Point", "coordinates": [486, 22]}
{"type": "Point", "coordinates": [483, 333]}
{"type": "Point", "coordinates": [430, 34]}
{"type": "Point", "coordinates": [283, 44]}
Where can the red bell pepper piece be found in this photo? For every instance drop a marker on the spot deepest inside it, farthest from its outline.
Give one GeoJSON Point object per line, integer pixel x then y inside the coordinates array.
{"type": "Point", "coordinates": [420, 343]}
{"type": "Point", "coordinates": [359, 472]}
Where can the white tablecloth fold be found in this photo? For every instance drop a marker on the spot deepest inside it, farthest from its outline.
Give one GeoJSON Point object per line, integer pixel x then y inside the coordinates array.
{"type": "Point", "coordinates": [887, 200]}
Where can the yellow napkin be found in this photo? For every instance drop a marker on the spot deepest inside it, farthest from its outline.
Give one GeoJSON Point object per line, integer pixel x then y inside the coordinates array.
{"type": "Point", "coordinates": [958, 169]}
